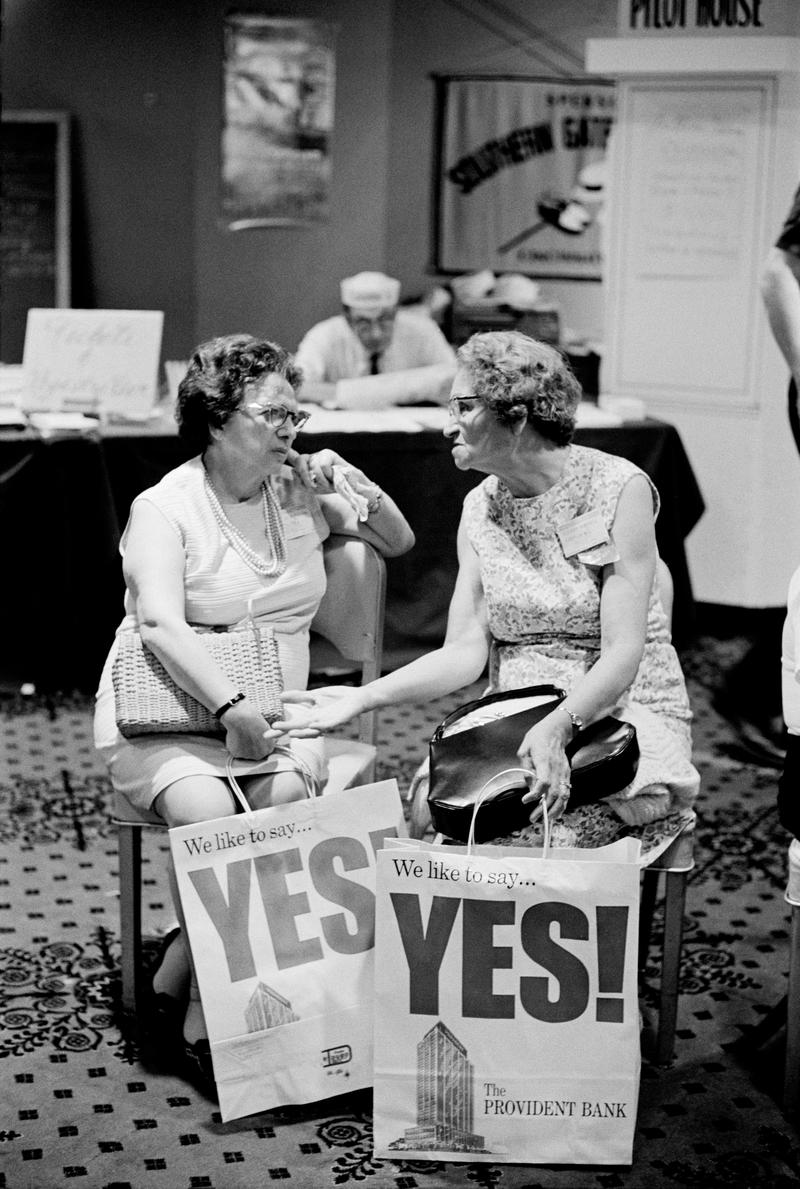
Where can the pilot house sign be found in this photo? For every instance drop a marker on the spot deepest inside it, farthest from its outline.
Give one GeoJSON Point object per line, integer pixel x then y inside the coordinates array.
{"type": "Point", "coordinates": [521, 175]}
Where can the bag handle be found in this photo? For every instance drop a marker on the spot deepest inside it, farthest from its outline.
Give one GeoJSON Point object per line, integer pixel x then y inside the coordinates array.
{"type": "Point", "coordinates": [481, 797]}
{"type": "Point", "coordinates": [308, 779]}
{"type": "Point", "coordinates": [236, 788]}
{"type": "Point", "coordinates": [526, 691]}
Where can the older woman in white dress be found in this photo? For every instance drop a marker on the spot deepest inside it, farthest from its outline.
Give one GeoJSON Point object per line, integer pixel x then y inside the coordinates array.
{"type": "Point", "coordinates": [245, 517]}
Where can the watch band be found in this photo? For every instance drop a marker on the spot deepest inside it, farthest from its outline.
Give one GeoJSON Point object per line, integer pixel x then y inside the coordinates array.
{"type": "Point", "coordinates": [227, 705]}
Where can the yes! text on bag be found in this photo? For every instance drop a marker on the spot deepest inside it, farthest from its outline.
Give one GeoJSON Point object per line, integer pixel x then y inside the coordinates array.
{"type": "Point", "coordinates": [279, 906]}
{"type": "Point", "coordinates": [506, 1014]}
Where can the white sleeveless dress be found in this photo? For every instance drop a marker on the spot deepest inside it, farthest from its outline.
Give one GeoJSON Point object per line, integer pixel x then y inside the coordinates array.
{"type": "Point", "coordinates": [218, 583]}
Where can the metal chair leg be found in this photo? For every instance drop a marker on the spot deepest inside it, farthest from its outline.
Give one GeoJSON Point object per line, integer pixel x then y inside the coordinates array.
{"type": "Point", "coordinates": [647, 905]}
{"type": "Point", "coordinates": [674, 907]}
{"type": "Point", "coordinates": [791, 1081]}
{"type": "Point", "coordinates": [130, 913]}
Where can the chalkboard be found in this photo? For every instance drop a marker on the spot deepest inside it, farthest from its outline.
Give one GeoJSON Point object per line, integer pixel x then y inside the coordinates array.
{"type": "Point", "coordinates": [34, 220]}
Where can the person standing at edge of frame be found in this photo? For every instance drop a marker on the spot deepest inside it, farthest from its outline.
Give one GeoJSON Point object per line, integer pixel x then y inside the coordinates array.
{"type": "Point", "coordinates": [751, 695]}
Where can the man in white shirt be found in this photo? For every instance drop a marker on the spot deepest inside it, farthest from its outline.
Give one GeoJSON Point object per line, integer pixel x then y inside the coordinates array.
{"type": "Point", "coordinates": [372, 337]}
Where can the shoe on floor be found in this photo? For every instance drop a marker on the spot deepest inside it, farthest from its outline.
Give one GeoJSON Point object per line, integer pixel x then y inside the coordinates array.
{"type": "Point", "coordinates": [199, 1066]}
{"type": "Point", "coordinates": [763, 741]}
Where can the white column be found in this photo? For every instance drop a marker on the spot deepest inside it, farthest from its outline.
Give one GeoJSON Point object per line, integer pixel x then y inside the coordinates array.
{"type": "Point", "coordinates": [705, 160]}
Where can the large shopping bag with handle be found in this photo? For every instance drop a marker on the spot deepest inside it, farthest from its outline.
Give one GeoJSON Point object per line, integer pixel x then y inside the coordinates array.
{"type": "Point", "coordinates": [506, 1014]}
{"type": "Point", "coordinates": [279, 908]}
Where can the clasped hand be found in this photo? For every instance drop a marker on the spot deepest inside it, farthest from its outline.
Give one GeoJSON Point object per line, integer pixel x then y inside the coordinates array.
{"type": "Point", "coordinates": [322, 709]}
{"type": "Point", "coordinates": [248, 735]}
{"type": "Point", "coordinates": [541, 750]}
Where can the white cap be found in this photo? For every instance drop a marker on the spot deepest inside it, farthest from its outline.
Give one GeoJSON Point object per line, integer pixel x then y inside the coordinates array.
{"type": "Point", "coordinates": [370, 292]}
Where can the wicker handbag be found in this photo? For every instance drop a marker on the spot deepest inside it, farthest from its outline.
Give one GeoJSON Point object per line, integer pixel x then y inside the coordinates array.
{"type": "Point", "coordinates": [149, 702]}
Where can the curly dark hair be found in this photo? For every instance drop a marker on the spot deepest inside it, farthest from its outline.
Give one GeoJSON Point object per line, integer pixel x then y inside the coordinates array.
{"type": "Point", "coordinates": [512, 372]}
{"type": "Point", "coordinates": [216, 378]}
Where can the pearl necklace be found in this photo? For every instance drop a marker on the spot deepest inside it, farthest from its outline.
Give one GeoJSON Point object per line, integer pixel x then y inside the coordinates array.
{"type": "Point", "coordinates": [273, 531]}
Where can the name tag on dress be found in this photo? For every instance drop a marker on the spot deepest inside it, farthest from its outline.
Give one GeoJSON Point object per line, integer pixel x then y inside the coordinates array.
{"type": "Point", "coordinates": [587, 538]}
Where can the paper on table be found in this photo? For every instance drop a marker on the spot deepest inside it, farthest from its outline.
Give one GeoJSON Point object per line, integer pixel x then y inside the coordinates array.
{"type": "Point", "coordinates": [12, 382]}
{"type": "Point", "coordinates": [623, 408]}
{"type": "Point", "coordinates": [51, 425]}
{"type": "Point", "coordinates": [12, 417]}
{"type": "Point", "coordinates": [589, 416]}
{"type": "Point", "coordinates": [411, 419]}
{"type": "Point", "coordinates": [12, 391]}
{"type": "Point", "coordinates": [407, 387]}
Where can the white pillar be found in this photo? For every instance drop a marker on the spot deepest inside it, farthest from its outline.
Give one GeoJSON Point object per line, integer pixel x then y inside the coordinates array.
{"type": "Point", "coordinates": [704, 163]}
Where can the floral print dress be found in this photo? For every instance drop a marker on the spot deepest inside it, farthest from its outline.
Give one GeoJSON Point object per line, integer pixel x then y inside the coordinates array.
{"type": "Point", "coordinates": [544, 616]}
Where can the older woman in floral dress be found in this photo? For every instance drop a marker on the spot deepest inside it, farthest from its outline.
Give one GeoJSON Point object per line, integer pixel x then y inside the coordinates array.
{"type": "Point", "coordinates": [557, 582]}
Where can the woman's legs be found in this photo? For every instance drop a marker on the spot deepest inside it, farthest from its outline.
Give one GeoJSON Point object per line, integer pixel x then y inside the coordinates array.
{"type": "Point", "coordinates": [172, 976]}
{"type": "Point", "coordinates": [198, 799]}
{"type": "Point", "coordinates": [275, 789]}
{"type": "Point", "coordinates": [183, 803]}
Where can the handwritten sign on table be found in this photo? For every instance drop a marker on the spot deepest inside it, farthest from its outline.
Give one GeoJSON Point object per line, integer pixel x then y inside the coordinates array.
{"type": "Point", "coordinates": [92, 361]}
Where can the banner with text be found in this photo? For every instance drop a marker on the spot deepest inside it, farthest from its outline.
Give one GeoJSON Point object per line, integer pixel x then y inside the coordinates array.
{"type": "Point", "coordinates": [279, 906]}
{"type": "Point", "coordinates": [521, 175]}
{"type": "Point", "coordinates": [506, 1013]}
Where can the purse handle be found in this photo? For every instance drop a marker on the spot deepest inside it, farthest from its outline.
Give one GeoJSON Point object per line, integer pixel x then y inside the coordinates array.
{"type": "Point", "coordinates": [526, 691]}
{"type": "Point", "coordinates": [481, 797]}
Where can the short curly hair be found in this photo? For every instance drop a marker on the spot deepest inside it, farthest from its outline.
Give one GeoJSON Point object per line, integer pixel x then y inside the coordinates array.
{"type": "Point", "coordinates": [218, 373]}
{"type": "Point", "coordinates": [511, 372]}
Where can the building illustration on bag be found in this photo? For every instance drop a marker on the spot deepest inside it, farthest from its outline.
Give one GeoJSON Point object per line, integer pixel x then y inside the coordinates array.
{"type": "Point", "coordinates": [267, 1009]}
{"type": "Point", "coordinates": [445, 1100]}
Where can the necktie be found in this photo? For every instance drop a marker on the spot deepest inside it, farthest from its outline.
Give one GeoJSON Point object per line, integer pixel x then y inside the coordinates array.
{"type": "Point", "coordinates": [373, 364]}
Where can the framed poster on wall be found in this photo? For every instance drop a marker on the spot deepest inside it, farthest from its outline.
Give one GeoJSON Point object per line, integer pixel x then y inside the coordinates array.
{"type": "Point", "coordinates": [278, 121]}
{"type": "Point", "coordinates": [520, 174]}
{"type": "Point", "coordinates": [34, 220]}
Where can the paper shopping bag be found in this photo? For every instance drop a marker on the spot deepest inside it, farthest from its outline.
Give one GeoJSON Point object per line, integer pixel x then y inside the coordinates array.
{"type": "Point", "coordinates": [506, 1015]}
{"type": "Point", "coordinates": [279, 908]}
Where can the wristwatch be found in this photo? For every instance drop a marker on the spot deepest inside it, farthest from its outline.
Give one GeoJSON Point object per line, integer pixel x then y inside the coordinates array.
{"type": "Point", "coordinates": [234, 701]}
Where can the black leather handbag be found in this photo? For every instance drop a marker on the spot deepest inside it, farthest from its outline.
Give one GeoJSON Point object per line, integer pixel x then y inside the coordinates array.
{"type": "Point", "coordinates": [603, 759]}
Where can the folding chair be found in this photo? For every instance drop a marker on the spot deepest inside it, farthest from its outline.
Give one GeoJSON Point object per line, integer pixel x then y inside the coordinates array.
{"type": "Point", "coordinates": [350, 618]}
{"type": "Point", "coordinates": [675, 864]}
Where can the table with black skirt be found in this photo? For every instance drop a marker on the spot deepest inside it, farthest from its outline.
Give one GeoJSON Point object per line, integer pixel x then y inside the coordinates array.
{"type": "Point", "coordinates": [64, 502]}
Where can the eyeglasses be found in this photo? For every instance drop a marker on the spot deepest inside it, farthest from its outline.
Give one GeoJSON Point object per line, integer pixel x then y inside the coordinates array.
{"type": "Point", "coordinates": [379, 322]}
{"type": "Point", "coordinates": [277, 415]}
{"type": "Point", "coordinates": [458, 406]}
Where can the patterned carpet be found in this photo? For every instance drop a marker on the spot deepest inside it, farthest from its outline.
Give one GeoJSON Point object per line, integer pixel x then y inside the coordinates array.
{"type": "Point", "coordinates": [87, 1104]}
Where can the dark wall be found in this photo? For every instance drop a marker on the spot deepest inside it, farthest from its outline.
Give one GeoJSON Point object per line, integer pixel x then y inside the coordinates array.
{"type": "Point", "coordinates": [279, 280]}
{"type": "Point", "coordinates": [142, 80]}
{"type": "Point", "coordinates": [124, 73]}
